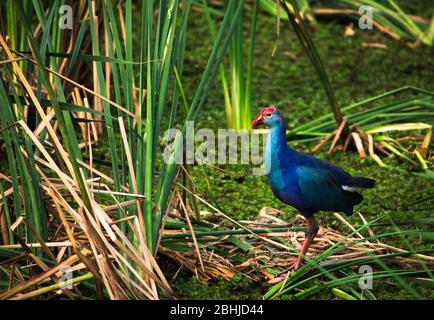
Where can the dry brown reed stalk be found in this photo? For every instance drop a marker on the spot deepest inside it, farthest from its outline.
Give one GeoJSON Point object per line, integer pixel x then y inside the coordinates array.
{"type": "Point", "coordinates": [125, 268]}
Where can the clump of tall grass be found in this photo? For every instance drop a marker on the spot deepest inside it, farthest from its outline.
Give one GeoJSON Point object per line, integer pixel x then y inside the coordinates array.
{"type": "Point", "coordinates": [59, 207]}
{"type": "Point", "coordinates": [236, 77]}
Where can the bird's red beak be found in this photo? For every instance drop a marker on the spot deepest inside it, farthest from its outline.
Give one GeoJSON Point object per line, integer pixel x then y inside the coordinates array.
{"type": "Point", "coordinates": [257, 121]}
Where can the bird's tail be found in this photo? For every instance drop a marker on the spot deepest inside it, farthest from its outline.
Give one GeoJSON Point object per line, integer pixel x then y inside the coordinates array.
{"type": "Point", "coordinates": [360, 182]}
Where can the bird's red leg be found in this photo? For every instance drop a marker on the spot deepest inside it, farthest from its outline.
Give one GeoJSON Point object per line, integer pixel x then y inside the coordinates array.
{"type": "Point", "coordinates": [312, 230]}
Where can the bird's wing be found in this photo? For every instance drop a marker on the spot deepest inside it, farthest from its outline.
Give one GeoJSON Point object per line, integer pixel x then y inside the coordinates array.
{"type": "Point", "coordinates": [320, 187]}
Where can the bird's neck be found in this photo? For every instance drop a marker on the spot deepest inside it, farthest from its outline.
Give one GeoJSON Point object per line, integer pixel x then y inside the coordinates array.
{"type": "Point", "coordinates": [277, 136]}
{"type": "Point", "coordinates": [276, 146]}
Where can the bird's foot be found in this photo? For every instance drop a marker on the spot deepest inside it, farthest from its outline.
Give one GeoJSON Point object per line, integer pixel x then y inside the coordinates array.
{"type": "Point", "coordinates": [290, 266]}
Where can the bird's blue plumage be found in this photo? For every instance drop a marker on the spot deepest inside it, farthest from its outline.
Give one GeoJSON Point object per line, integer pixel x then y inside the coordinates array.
{"type": "Point", "coordinates": [307, 183]}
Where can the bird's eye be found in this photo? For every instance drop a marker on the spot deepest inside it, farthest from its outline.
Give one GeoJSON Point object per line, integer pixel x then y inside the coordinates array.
{"type": "Point", "coordinates": [268, 114]}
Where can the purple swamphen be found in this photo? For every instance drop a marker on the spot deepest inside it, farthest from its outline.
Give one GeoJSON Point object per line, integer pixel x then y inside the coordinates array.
{"type": "Point", "coordinates": [304, 182]}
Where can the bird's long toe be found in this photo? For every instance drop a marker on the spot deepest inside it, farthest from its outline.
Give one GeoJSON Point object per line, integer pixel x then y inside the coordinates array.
{"type": "Point", "coordinates": [290, 266]}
